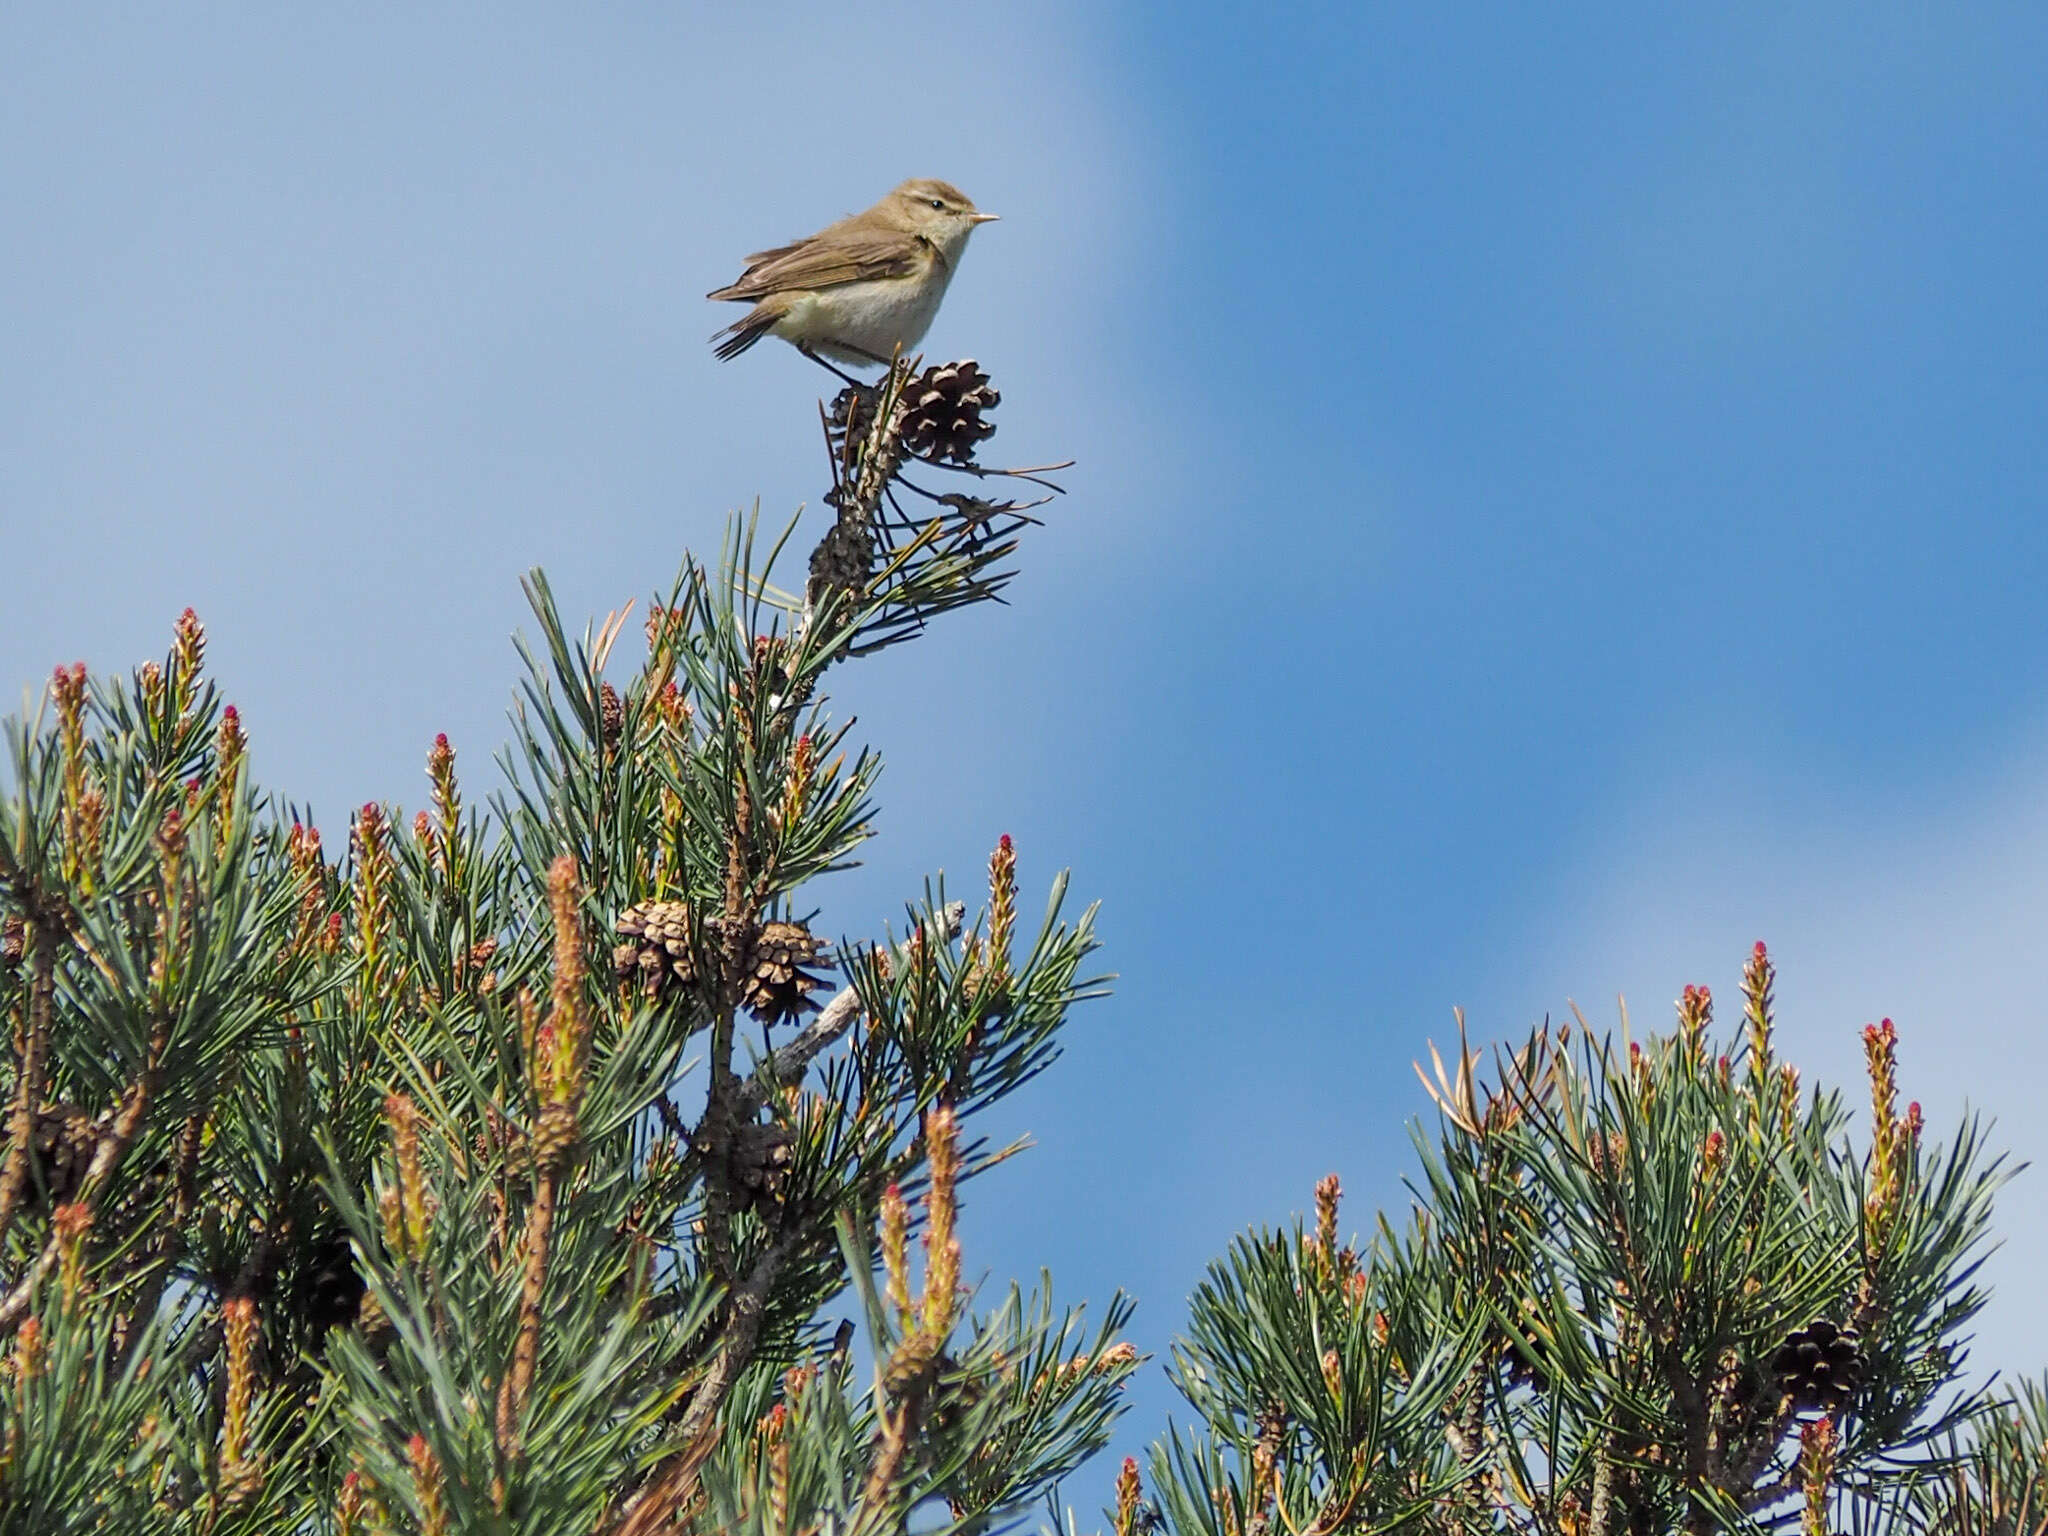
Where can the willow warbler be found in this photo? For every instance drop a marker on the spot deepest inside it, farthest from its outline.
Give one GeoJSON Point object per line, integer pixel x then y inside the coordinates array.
{"type": "Point", "coordinates": [862, 289]}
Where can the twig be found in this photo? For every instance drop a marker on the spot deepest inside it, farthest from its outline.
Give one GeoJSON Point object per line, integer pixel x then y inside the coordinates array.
{"type": "Point", "coordinates": [15, 1305]}
{"type": "Point", "coordinates": [875, 1512]}
{"type": "Point", "coordinates": [960, 503]}
{"type": "Point", "coordinates": [649, 1511]}
{"type": "Point", "coordinates": [837, 1017]}
{"type": "Point", "coordinates": [14, 1177]}
{"type": "Point", "coordinates": [1035, 473]}
{"type": "Point", "coordinates": [1600, 1517]}
{"type": "Point", "coordinates": [842, 559]}
{"type": "Point", "coordinates": [106, 1152]}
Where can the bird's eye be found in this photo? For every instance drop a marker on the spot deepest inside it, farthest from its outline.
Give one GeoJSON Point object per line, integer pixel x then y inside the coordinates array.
{"type": "Point", "coordinates": [938, 202]}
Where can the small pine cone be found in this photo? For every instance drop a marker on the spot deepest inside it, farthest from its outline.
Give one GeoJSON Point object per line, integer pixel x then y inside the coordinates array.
{"type": "Point", "coordinates": [771, 676]}
{"type": "Point", "coordinates": [759, 1163]}
{"type": "Point", "coordinates": [852, 411]}
{"type": "Point", "coordinates": [611, 715]}
{"type": "Point", "coordinates": [777, 987]}
{"type": "Point", "coordinates": [1820, 1365]}
{"type": "Point", "coordinates": [1524, 1371]}
{"type": "Point", "coordinates": [61, 1149]}
{"type": "Point", "coordinates": [371, 1320]}
{"type": "Point", "coordinates": [1518, 1359]}
{"type": "Point", "coordinates": [911, 1361]}
{"type": "Point", "coordinates": [655, 945]}
{"type": "Point", "coordinates": [328, 1292]}
{"type": "Point", "coordinates": [965, 1394]}
{"type": "Point", "coordinates": [13, 939]}
{"type": "Point", "coordinates": [941, 412]}
{"type": "Point", "coordinates": [66, 1139]}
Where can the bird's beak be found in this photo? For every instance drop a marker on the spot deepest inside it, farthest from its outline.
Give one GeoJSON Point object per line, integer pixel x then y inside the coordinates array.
{"type": "Point", "coordinates": [986, 218]}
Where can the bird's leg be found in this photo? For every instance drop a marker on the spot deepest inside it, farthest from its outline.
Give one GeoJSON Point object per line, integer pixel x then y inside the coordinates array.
{"type": "Point", "coordinates": [842, 376]}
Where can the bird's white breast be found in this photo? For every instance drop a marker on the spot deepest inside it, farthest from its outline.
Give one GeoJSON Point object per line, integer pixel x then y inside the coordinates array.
{"type": "Point", "coordinates": [874, 317]}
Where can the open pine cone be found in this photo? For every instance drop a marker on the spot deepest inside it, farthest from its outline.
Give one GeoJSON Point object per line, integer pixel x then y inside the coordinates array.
{"type": "Point", "coordinates": [778, 988]}
{"type": "Point", "coordinates": [940, 416]}
{"type": "Point", "coordinates": [654, 945]}
{"type": "Point", "coordinates": [1820, 1365]}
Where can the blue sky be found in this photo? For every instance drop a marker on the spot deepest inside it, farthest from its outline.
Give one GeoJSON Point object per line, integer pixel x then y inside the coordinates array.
{"type": "Point", "coordinates": [1561, 497]}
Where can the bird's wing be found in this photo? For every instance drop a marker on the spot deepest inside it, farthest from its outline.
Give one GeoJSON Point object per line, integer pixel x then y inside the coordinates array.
{"type": "Point", "coordinates": [813, 263]}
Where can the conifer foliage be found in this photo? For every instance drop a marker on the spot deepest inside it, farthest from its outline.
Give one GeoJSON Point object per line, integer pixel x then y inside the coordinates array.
{"type": "Point", "coordinates": [1645, 1287]}
{"type": "Point", "coordinates": [493, 1169]}
{"type": "Point", "coordinates": [536, 1165]}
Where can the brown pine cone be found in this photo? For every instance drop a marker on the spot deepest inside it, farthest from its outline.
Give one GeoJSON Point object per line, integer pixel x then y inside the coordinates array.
{"type": "Point", "coordinates": [1820, 1365]}
{"type": "Point", "coordinates": [329, 1290]}
{"type": "Point", "coordinates": [61, 1148]}
{"type": "Point", "coordinates": [759, 1163]}
{"type": "Point", "coordinates": [1523, 1369]}
{"type": "Point", "coordinates": [852, 411]}
{"type": "Point", "coordinates": [777, 987]}
{"type": "Point", "coordinates": [655, 945]}
{"type": "Point", "coordinates": [940, 416]}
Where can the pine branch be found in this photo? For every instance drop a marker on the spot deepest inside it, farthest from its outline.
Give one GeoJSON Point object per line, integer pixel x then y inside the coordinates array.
{"type": "Point", "coordinates": [673, 1486]}
{"type": "Point", "coordinates": [28, 1096]}
{"type": "Point", "coordinates": [789, 1061]}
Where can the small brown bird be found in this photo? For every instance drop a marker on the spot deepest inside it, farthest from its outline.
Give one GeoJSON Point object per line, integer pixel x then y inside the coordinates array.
{"type": "Point", "coordinates": [862, 289]}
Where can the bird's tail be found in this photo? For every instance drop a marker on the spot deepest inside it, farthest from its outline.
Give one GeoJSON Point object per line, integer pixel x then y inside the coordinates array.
{"type": "Point", "coordinates": [742, 334]}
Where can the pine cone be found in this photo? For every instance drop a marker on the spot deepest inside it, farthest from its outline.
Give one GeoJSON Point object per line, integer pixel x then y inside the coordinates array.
{"type": "Point", "coordinates": [777, 988]}
{"type": "Point", "coordinates": [329, 1291]}
{"type": "Point", "coordinates": [940, 416]}
{"type": "Point", "coordinates": [1820, 1365]}
{"type": "Point", "coordinates": [240, 1480]}
{"type": "Point", "coordinates": [1518, 1357]}
{"type": "Point", "coordinates": [655, 945]}
{"type": "Point", "coordinates": [1523, 1369]}
{"type": "Point", "coordinates": [759, 1163]}
{"type": "Point", "coordinates": [60, 1148]}
{"type": "Point", "coordinates": [989, 984]}
{"type": "Point", "coordinates": [852, 411]}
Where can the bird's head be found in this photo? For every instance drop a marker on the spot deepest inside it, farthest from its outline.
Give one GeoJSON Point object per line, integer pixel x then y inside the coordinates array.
{"type": "Point", "coordinates": [937, 210]}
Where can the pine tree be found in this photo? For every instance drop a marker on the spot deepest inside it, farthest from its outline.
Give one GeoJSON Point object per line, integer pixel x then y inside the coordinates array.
{"type": "Point", "coordinates": [1645, 1287]}
{"type": "Point", "coordinates": [497, 1169]}
{"type": "Point", "coordinates": [507, 1169]}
